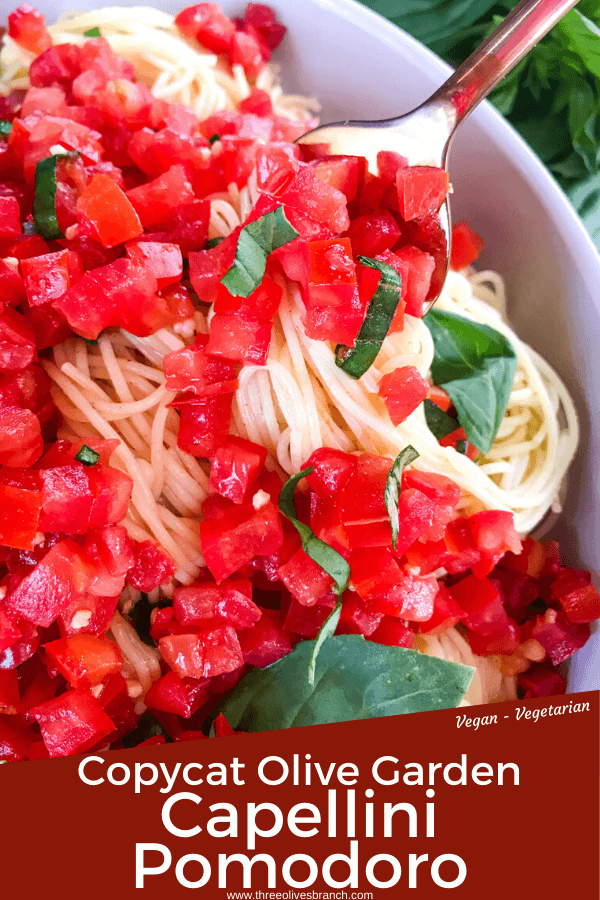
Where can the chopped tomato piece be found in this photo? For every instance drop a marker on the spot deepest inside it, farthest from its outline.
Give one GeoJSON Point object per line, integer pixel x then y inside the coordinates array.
{"type": "Point", "coordinates": [17, 342]}
{"type": "Point", "coordinates": [20, 505]}
{"type": "Point", "coordinates": [157, 201]}
{"type": "Point", "coordinates": [85, 659]}
{"type": "Point", "coordinates": [421, 191]}
{"type": "Point", "coordinates": [446, 613]}
{"type": "Point", "coordinates": [205, 603]}
{"type": "Point", "coordinates": [357, 617]}
{"type": "Point", "coordinates": [466, 246]}
{"type": "Point", "coordinates": [222, 651]}
{"type": "Point", "coordinates": [171, 694]}
{"type": "Point", "coordinates": [47, 277]}
{"type": "Point", "coordinates": [419, 273]}
{"type": "Point", "coordinates": [27, 26]}
{"type": "Point", "coordinates": [163, 260]}
{"type": "Point", "coordinates": [192, 370]}
{"type": "Point", "coordinates": [229, 542]}
{"type": "Point", "coordinates": [267, 641]}
{"type": "Point", "coordinates": [542, 680]}
{"type": "Point", "coordinates": [494, 534]}
{"type": "Point", "coordinates": [152, 567]}
{"type": "Point", "coordinates": [208, 24]}
{"type": "Point", "coordinates": [577, 596]}
{"type": "Point", "coordinates": [373, 233]}
{"type": "Point", "coordinates": [332, 277]}
{"type": "Point", "coordinates": [10, 218]}
{"type": "Point", "coordinates": [240, 339]}
{"type": "Point", "coordinates": [344, 173]}
{"type": "Point", "coordinates": [393, 633]}
{"type": "Point", "coordinates": [559, 637]}
{"type": "Point", "coordinates": [72, 723]}
{"type": "Point", "coordinates": [66, 499]}
{"type": "Point", "coordinates": [22, 442]}
{"type": "Point", "coordinates": [402, 390]}
{"type": "Point", "coordinates": [306, 581]}
{"type": "Point", "coordinates": [459, 440]}
{"type": "Point", "coordinates": [204, 421]}
{"type": "Point", "coordinates": [109, 211]}
{"type": "Point", "coordinates": [235, 468]}
{"type": "Point", "coordinates": [184, 653]}
{"type": "Point", "coordinates": [331, 470]}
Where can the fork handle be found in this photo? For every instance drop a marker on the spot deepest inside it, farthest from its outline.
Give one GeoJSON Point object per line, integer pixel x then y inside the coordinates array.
{"type": "Point", "coordinates": [523, 27]}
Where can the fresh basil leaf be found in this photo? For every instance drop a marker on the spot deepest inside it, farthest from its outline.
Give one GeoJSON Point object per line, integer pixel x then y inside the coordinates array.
{"type": "Point", "coordinates": [87, 456]}
{"type": "Point", "coordinates": [44, 201]}
{"type": "Point", "coordinates": [440, 423]}
{"type": "Point", "coordinates": [354, 679]}
{"type": "Point", "coordinates": [214, 242]}
{"type": "Point", "coordinates": [326, 631]}
{"type": "Point", "coordinates": [393, 487]}
{"type": "Point", "coordinates": [5, 127]}
{"type": "Point", "coordinates": [147, 727]}
{"type": "Point", "coordinates": [92, 32]}
{"type": "Point", "coordinates": [325, 556]}
{"type": "Point", "coordinates": [461, 446]}
{"type": "Point", "coordinates": [476, 366]}
{"type": "Point", "coordinates": [256, 242]}
{"type": "Point", "coordinates": [355, 361]}
{"type": "Point", "coordinates": [214, 138]}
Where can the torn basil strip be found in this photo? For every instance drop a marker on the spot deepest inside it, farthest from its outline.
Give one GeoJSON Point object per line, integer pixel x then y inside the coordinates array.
{"type": "Point", "coordinates": [92, 32]}
{"type": "Point", "coordinates": [393, 488]}
{"type": "Point", "coordinates": [326, 631]}
{"type": "Point", "coordinates": [5, 127]}
{"type": "Point", "coordinates": [440, 423]}
{"type": "Point", "coordinates": [476, 366]}
{"type": "Point", "coordinates": [44, 201]}
{"type": "Point", "coordinates": [325, 556]}
{"type": "Point", "coordinates": [355, 361]}
{"type": "Point", "coordinates": [255, 243]}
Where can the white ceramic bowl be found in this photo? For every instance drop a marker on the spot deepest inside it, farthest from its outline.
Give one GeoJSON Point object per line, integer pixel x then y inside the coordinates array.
{"type": "Point", "coordinates": [362, 67]}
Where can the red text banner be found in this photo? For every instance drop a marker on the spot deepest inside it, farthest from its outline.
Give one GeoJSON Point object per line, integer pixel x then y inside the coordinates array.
{"type": "Point", "coordinates": [496, 802]}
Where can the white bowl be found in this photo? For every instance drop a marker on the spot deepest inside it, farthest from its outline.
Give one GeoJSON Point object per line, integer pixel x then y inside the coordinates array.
{"type": "Point", "coordinates": [362, 67]}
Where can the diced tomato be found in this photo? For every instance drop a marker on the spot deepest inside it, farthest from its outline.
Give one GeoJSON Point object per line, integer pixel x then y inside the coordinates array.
{"type": "Point", "coordinates": [411, 598]}
{"type": "Point", "coordinates": [466, 245]}
{"type": "Point", "coordinates": [152, 567]}
{"type": "Point", "coordinates": [17, 342]}
{"type": "Point", "coordinates": [61, 575]}
{"type": "Point", "coordinates": [66, 499]}
{"type": "Point", "coordinates": [428, 235]}
{"type": "Point", "coordinates": [503, 642]}
{"type": "Point", "coordinates": [306, 621]}
{"type": "Point", "coordinates": [119, 294]}
{"type": "Point", "coordinates": [247, 51]}
{"type": "Point", "coordinates": [207, 267]}
{"type": "Point", "coordinates": [362, 497]}
{"type": "Point", "coordinates": [577, 596]}
{"type": "Point", "coordinates": [158, 200]}
{"type": "Point", "coordinates": [332, 277]}
{"type": "Point", "coordinates": [190, 369]}
{"type": "Point", "coordinates": [340, 323]}
{"type": "Point", "coordinates": [27, 26]}
{"type": "Point", "coordinates": [444, 494]}
{"type": "Point", "coordinates": [537, 558]}
{"type": "Point", "coordinates": [357, 617]}
{"type": "Point", "coordinates": [258, 103]}
{"type": "Point", "coordinates": [235, 468]}
{"type": "Point", "coordinates": [306, 581]}
{"type": "Point", "coordinates": [402, 390]}
{"type": "Point", "coordinates": [558, 636]}
{"type": "Point", "coordinates": [374, 572]}
{"type": "Point", "coordinates": [222, 651]}
{"type": "Point", "coordinates": [12, 289]}
{"type": "Point", "coordinates": [263, 19]}
{"type": "Point", "coordinates": [344, 173]}
{"type": "Point", "coordinates": [388, 163]}
{"type": "Point", "coordinates": [163, 260]}
{"type": "Point", "coordinates": [87, 615]}
{"type": "Point", "coordinates": [331, 470]}
{"type": "Point", "coordinates": [446, 613]}
{"type": "Point", "coordinates": [267, 641]}
{"type": "Point", "coordinates": [10, 218]}
{"type": "Point", "coordinates": [459, 440]}
{"type": "Point", "coordinates": [22, 442]}
{"type": "Point", "coordinates": [439, 396]}
{"type": "Point", "coordinates": [171, 694]}
{"type": "Point", "coordinates": [419, 273]}
{"type": "Point", "coordinates": [542, 680]}
{"type": "Point", "coordinates": [111, 490]}
{"type": "Point", "coordinates": [493, 532]}
{"type": "Point", "coordinates": [9, 690]}
{"type": "Point", "coordinates": [20, 505]}
{"type": "Point", "coordinates": [58, 65]}
{"type": "Point", "coordinates": [47, 277]}
{"type": "Point", "coordinates": [421, 191]}
{"type": "Point", "coordinates": [206, 603]}
{"type": "Point", "coordinates": [228, 543]}
{"type": "Point", "coordinates": [85, 659]}
{"type": "Point", "coordinates": [208, 24]}
{"type": "Point", "coordinates": [204, 421]}
{"type": "Point", "coordinates": [303, 191]}
{"type": "Point", "coordinates": [72, 723]}
{"type": "Point", "coordinates": [109, 211]}
{"type": "Point", "coordinates": [517, 591]}
{"type": "Point", "coordinates": [184, 653]}
{"type": "Point", "coordinates": [15, 740]}
{"type": "Point", "coordinates": [482, 603]}
{"type": "Point", "coordinates": [373, 233]}
{"type": "Point", "coordinates": [261, 304]}
{"type": "Point", "coordinates": [393, 632]}
{"type": "Point", "coordinates": [240, 339]}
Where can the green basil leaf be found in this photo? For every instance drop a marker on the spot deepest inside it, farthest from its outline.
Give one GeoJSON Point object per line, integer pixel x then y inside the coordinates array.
{"type": "Point", "coordinates": [5, 127]}
{"type": "Point", "coordinates": [214, 138]}
{"type": "Point", "coordinates": [44, 201]}
{"type": "Point", "coordinates": [147, 727]}
{"type": "Point", "coordinates": [214, 242]}
{"type": "Point", "coordinates": [256, 242]}
{"type": "Point", "coordinates": [440, 423]}
{"type": "Point", "coordinates": [393, 488]}
{"type": "Point", "coordinates": [356, 360]}
{"type": "Point", "coordinates": [354, 679]}
{"type": "Point", "coordinates": [326, 631]}
{"type": "Point", "coordinates": [325, 556]}
{"type": "Point", "coordinates": [87, 456]}
{"type": "Point", "coordinates": [461, 446]}
{"type": "Point", "coordinates": [476, 366]}
{"type": "Point", "coordinates": [92, 32]}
